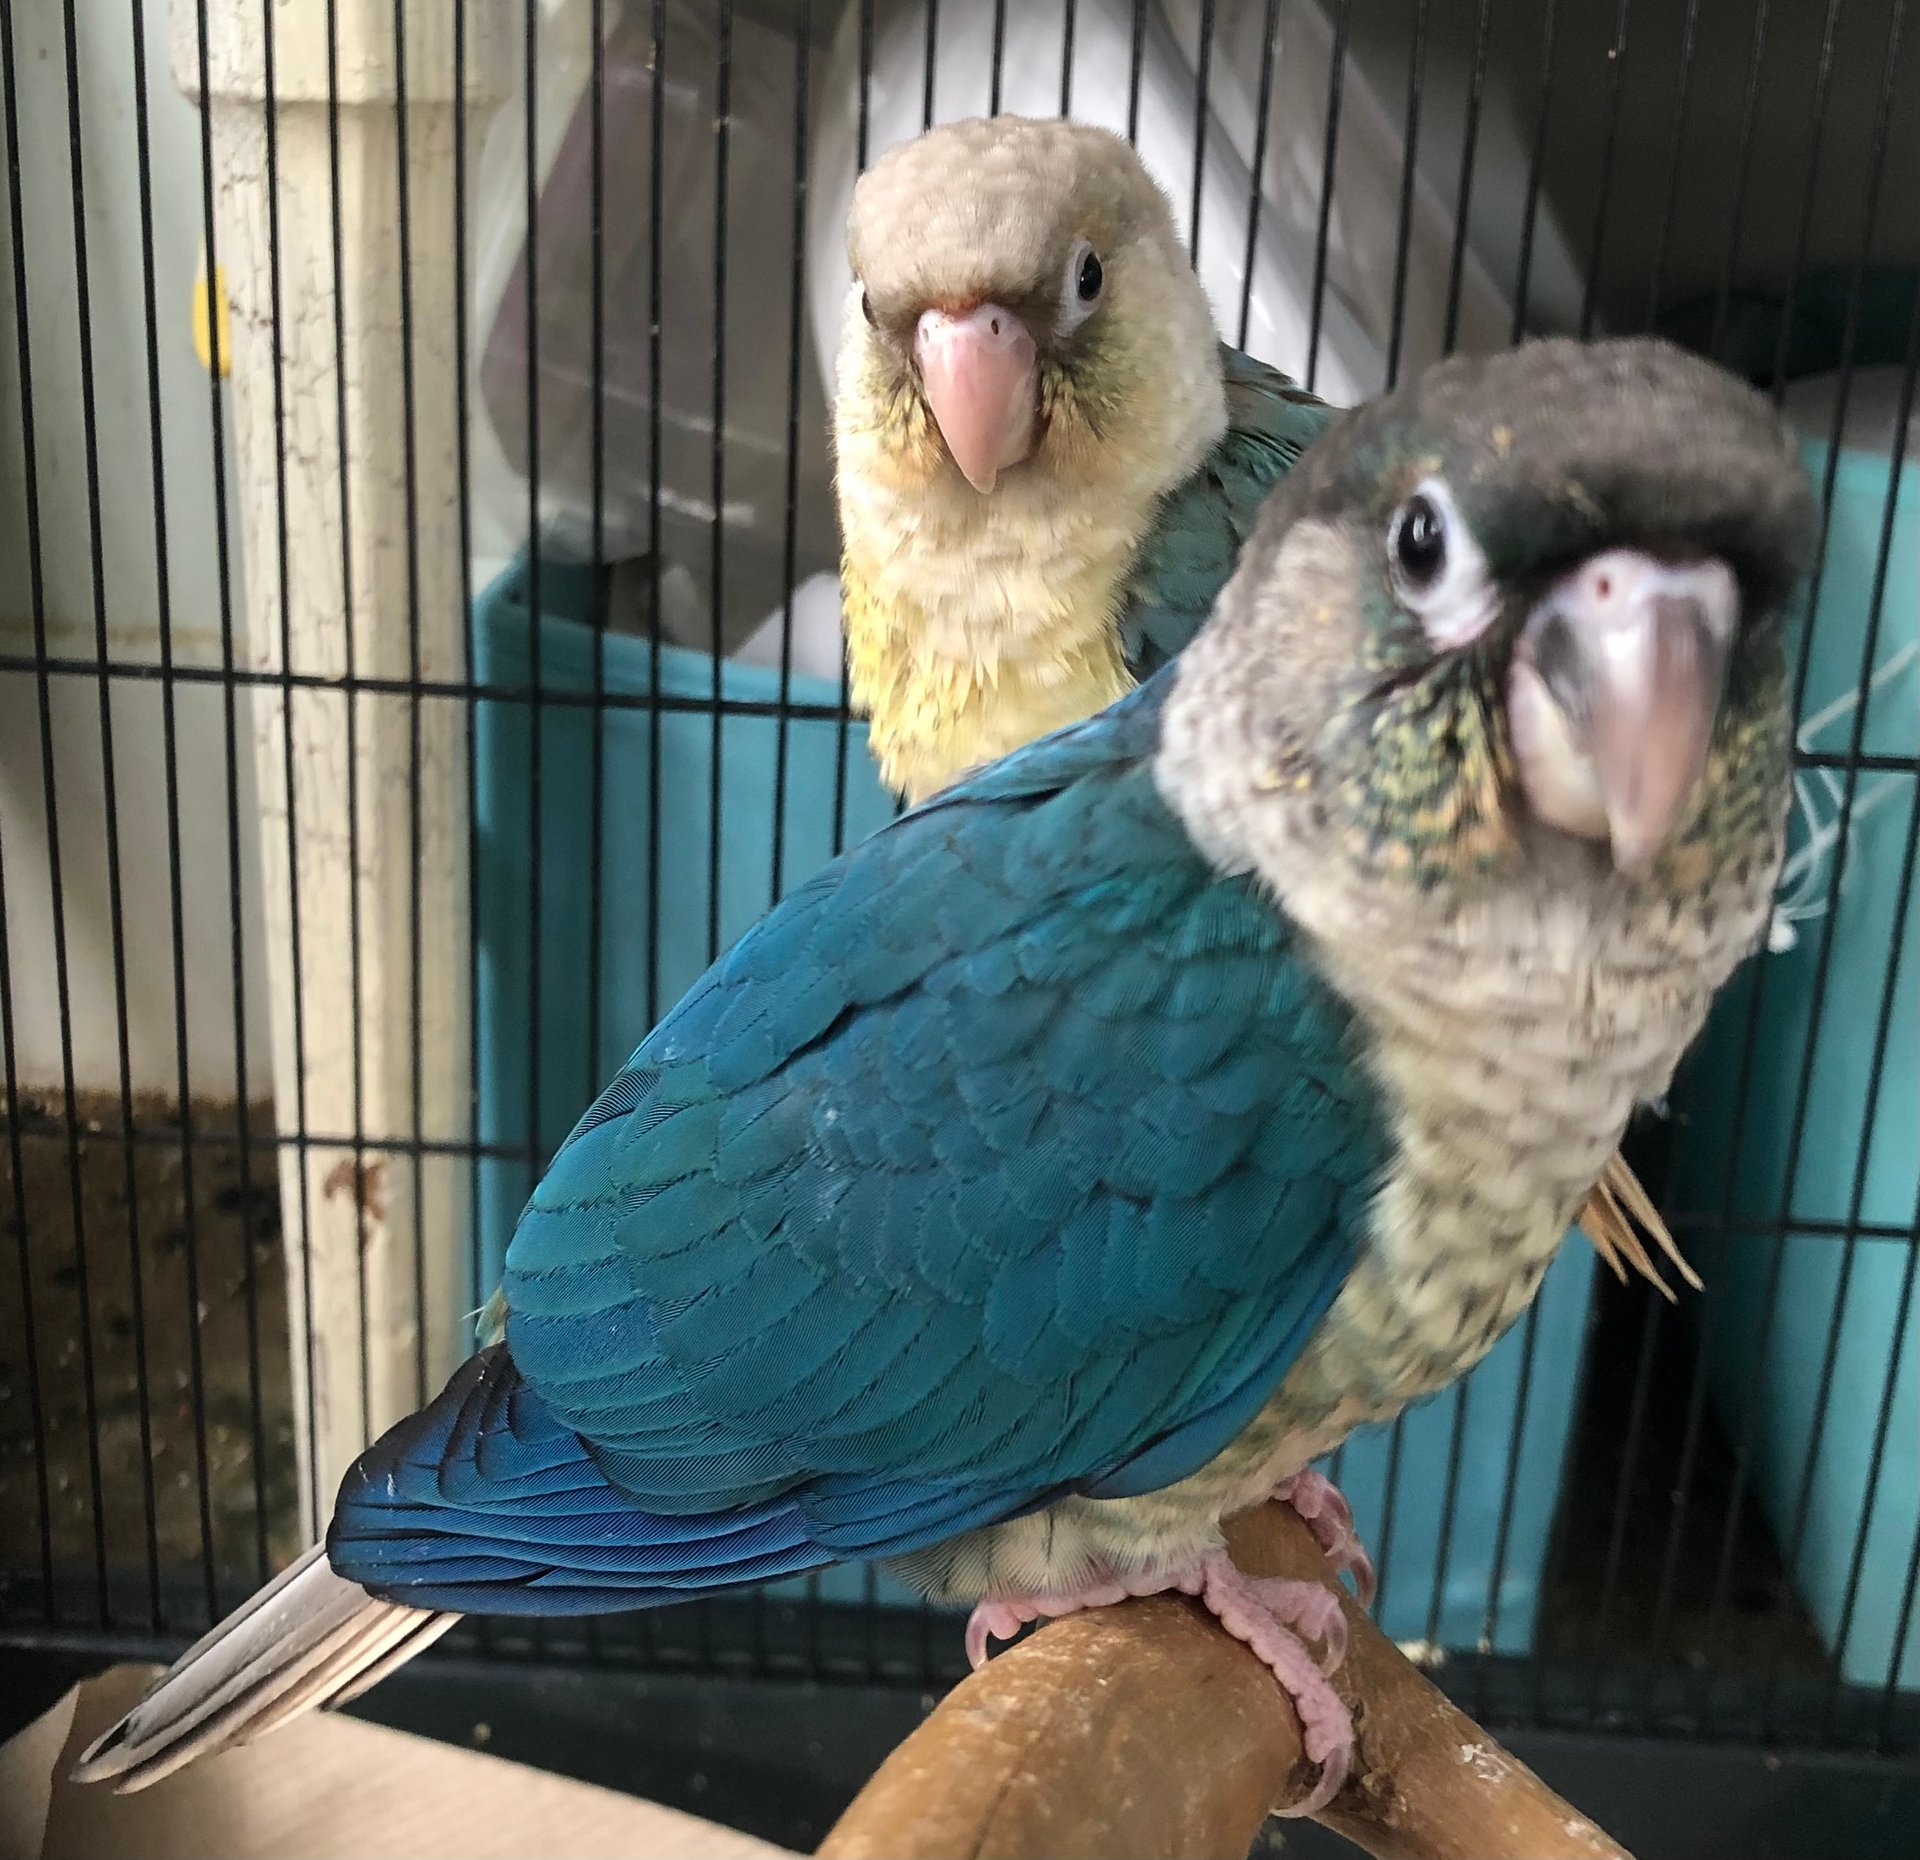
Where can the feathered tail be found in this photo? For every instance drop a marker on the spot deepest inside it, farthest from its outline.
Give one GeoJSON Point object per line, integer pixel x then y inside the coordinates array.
{"type": "Point", "coordinates": [308, 1638]}
{"type": "Point", "coordinates": [1607, 1219]}
{"type": "Point", "coordinates": [482, 1502]}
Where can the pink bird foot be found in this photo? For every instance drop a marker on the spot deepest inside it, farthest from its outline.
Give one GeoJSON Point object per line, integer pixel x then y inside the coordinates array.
{"type": "Point", "coordinates": [1326, 1513]}
{"type": "Point", "coordinates": [1270, 1614]}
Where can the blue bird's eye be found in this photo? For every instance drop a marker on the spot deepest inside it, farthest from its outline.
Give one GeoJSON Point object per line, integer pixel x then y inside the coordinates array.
{"type": "Point", "coordinates": [1419, 542]}
{"type": "Point", "coordinates": [1080, 288]}
{"type": "Point", "coordinates": [1437, 568]}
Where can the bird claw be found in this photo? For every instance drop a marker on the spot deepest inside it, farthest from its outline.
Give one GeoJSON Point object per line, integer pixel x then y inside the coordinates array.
{"type": "Point", "coordinates": [993, 1621]}
{"type": "Point", "coordinates": [1310, 1610]}
{"type": "Point", "coordinates": [1003, 1617]}
{"type": "Point", "coordinates": [1267, 1614]}
{"type": "Point", "coordinates": [1320, 1504]}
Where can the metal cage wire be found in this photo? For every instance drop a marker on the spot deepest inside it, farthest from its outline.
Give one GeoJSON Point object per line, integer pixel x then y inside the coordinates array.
{"type": "Point", "coordinates": [1658, 1542]}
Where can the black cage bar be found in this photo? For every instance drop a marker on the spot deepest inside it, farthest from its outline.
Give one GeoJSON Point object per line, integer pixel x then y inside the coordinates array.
{"type": "Point", "coordinates": [599, 473]}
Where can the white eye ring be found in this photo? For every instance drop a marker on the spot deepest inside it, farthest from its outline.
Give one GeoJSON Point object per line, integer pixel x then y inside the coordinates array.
{"type": "Point", "coordinates": [1437, 569]}
{"type": "Point", "coordinates": [1074, 308]}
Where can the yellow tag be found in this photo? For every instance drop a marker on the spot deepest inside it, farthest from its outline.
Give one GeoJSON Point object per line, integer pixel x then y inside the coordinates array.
{"type": "Point", "coordinates": [202, 342]}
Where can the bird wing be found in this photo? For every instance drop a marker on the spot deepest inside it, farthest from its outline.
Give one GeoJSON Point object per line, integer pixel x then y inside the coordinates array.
{"type": "Point", "coordinates": [1015, 1142]}
{"type": "Point", "coordinates": [1016, 1154]}
{"type": "Point", "coordinates": [1185, 559]}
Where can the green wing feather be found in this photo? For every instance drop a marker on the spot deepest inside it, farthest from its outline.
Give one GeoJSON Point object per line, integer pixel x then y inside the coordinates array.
{"type": "Point", "coordinates": [1195, 542]}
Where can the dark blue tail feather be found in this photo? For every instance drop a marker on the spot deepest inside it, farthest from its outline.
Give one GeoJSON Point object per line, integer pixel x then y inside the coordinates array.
{"type": "Point", "coordinates": [484, 1503]}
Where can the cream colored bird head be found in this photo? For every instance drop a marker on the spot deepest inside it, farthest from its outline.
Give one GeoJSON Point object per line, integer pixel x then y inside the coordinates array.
{"type": "Point", "coordinates": [1027, 366]}
{"type": "Point", "coordinates": [1023, 317]}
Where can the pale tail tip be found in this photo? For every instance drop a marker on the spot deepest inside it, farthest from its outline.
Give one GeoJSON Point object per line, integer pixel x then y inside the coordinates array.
{"type": "Point", "coordinates": [103, 1759]}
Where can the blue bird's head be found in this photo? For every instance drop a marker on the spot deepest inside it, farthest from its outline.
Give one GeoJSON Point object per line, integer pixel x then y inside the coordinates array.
{"type": "Point", "coordinates": [1522, 617]}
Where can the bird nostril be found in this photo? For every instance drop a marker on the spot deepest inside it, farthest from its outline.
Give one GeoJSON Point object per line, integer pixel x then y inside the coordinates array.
{"type": "Point", "coordinates": [1557, 658]}
{"type": "Point", "coordinates": [1604, 587]}
{"type": "Point", "coordinates": [993, 325]}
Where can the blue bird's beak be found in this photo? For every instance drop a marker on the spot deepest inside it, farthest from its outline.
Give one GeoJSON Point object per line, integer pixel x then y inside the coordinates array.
{"type": "Point", "coordinates": [1613, 695]}
{"type": "Point", "coordinates": [979, 370]}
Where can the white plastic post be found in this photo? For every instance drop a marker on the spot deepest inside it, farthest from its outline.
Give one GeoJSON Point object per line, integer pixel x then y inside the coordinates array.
{"type": "Point", "coordinates": [374, 1239]}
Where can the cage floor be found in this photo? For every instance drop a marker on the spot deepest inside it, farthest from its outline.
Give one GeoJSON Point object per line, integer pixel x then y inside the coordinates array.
{"type": "Point", "coordinates": [248, 1494]}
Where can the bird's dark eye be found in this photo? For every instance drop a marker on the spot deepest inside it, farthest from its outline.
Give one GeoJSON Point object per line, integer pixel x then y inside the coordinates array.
{"type": "Point", "coordinates": [1418, 543]}
{"type": "Point", "coordinates": [1091, 278]}
{"type": "Point", "coordinates": [866, 309]}
{"type": "Point", "coordinates": [1438, 570]}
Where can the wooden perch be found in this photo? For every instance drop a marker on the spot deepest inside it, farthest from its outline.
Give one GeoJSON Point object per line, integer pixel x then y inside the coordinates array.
{"type": "Point", "coordinates": [1146, 1730]}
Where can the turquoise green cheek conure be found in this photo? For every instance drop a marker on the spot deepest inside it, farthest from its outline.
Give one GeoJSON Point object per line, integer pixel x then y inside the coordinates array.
{"type": "Point", "coordinates": [1066, 1168]}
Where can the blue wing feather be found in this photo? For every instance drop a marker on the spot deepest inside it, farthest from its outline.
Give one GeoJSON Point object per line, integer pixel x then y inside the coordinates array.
{"type": "Point", "coordinates": [485, 1501]}
{"type": "Point", "coordinates": [1187, 557]}
{"type": "Point", "coordinates": [1018, 1155]}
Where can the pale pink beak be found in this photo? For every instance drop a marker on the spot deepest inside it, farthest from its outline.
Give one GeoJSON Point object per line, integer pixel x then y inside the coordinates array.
{"type": "Point", "coordinates": [1614, 694]}
{"type": "Point", "coordinates": [979, 371]}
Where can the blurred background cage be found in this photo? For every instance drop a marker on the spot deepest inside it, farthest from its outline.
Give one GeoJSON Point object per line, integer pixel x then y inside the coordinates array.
{"type": "Point", "coordinates": [419, 654]}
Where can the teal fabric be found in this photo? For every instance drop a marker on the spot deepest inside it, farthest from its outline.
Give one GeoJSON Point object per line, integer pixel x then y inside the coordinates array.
{"type": "Point", "coordinates": [1840, 1493]}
